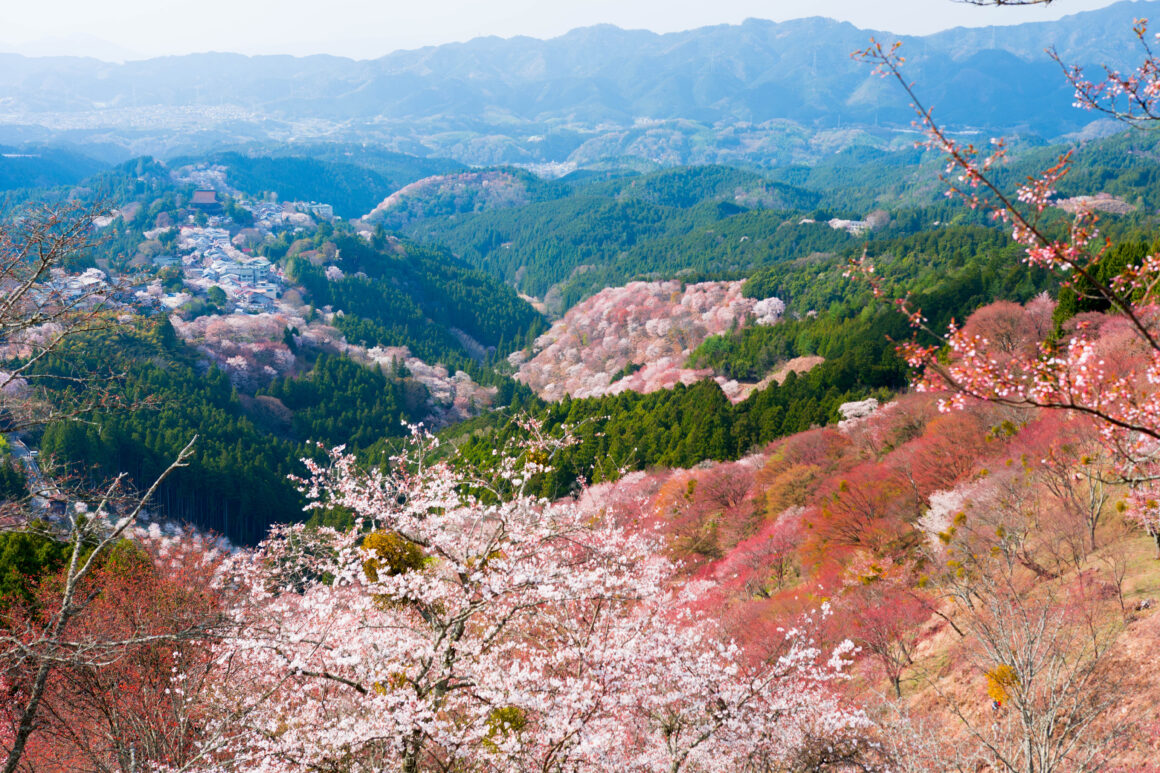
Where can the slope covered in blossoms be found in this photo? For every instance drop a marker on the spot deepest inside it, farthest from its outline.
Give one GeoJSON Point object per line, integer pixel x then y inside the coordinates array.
{"type": "Point", "coordinates": [255, 349]}
{"type": "Point", "coordinates": [985, 560]}
{"type": "Point", "coordinates": [638, 337]}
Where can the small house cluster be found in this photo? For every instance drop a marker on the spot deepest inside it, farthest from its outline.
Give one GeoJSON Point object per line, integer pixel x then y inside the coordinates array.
{"type": "Point", "coordinates": [250, 281]}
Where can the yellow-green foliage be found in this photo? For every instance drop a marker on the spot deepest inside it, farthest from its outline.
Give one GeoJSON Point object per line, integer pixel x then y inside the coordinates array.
{"type": "Point", "coordinates": [396, 680]}
{"type": "Point", "coordinates": [502, 722]}
{"type": "Point", "coordinates": [393, 554]}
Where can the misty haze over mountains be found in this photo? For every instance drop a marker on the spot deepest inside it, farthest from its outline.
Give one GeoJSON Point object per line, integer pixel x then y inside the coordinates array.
{"type": "Point", "coordinates": [758, 93]}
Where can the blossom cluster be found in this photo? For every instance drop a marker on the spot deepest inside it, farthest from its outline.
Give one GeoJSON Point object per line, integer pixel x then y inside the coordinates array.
{"type": "Point", "coordinates": [638, 338]}
{"type": "Point", "coordinates": [457, 628]}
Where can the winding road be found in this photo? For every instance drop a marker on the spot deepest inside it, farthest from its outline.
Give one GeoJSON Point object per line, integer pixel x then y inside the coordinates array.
{"type": "Point", "coordinates": [42, 489]}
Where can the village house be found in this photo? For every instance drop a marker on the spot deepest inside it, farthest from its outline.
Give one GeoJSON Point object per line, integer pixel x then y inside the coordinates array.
{"type": "Point", "coordinates": [252, 271]}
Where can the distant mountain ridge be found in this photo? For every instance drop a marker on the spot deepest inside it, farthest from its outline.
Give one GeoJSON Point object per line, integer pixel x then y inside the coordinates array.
{"type": "Point", "coordinates": [759, 92]}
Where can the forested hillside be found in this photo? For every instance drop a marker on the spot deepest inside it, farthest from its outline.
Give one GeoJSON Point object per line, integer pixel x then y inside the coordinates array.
{"type": "Point", "coordinates": [412, 297]}
{"type": "Point", "coordinates": [35, 166]}
{"type": "Point", "coordinates": [723, 224]}
{"type": "Point", "coordinates": [348, 339]}
{"type": "Point", "coordinates": [351, 180]}
{"type": "Point", "coordinates": [414, 334]}
{"type": "Point", "coordinates": [235, 485]}
{"type": "Point", "coordinates": [853, 334]}
{"type": "Point", "coordinates": [597, 238]}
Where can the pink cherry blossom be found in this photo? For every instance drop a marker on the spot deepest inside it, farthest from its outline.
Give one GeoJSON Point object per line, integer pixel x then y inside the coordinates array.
{"type": "Point", "coordinates": [505, 633]}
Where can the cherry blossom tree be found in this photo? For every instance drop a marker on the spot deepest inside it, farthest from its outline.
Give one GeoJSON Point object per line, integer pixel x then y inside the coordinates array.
{"type": "Point", "coordinates": [884, 618]}
{"type": "Point", "coordinates": [1104, 369]}
{"type": "Point", "coordinates": [1130, 97]}
{"type": "Point", "coordinates": [863, 510]}
{"type": "Point", "coordinates": [1077, 471]}
{"type": "Point", "coordinates": [466, 625]}
{"type": "Point", "coordinates": [765, 563]}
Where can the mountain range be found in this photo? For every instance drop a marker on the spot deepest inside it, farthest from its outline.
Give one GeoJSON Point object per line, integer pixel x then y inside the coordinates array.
{"type": "Point", "coordinates": [758, 93]}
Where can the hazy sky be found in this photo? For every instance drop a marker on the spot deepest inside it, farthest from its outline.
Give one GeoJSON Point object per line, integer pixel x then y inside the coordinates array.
{"type": "Point", "coordinates": [119, 29]}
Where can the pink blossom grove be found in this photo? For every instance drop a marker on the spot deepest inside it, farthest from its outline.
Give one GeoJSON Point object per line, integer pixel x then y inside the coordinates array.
{"type": "Point", "coordinates": [466, 625]}
{"type": "Point", "coordinates": [652, 326]}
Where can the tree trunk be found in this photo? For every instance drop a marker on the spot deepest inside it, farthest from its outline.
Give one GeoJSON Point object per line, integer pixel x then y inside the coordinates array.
{"type": "Point", "coordinates": [26, 719]}
{"type": "Point", "coordinates": [411, 753]}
